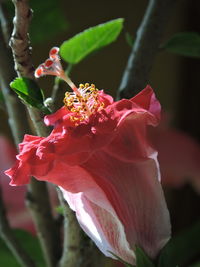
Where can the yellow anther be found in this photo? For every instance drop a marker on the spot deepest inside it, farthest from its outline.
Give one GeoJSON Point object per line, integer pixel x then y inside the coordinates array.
{"type": "Point", "coordinates": [67, 94]}
{"type": "Point", "coordinates": [81, 86]}
{"type": "Point", "coordinates": [83, 103]}
{"type": "Point", "coordinates": [73, 109]}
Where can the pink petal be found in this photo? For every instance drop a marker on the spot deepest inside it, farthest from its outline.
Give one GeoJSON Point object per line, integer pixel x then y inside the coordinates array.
{"type": "Point", "coordinates": [147, 100]}
{"type": "Point", "coordinates": [101, 224]}
{"type": "Point", "coordinates": [134, 192]}
{"type": "Point", "coordinates": [56, 117]}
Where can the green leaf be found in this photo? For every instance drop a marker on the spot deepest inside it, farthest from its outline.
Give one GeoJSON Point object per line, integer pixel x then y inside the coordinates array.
{"type": "Point", "coordinates": [142, 259]}
{"type": "Point", "coordinates": [27, 87]}
{"type": "Point", "coordinates": [185, 44]}
{"type": "Point", "coordinates": [182, 248]}
{"type": "Point", "coordinates": [81, 45]}
{"type": "Point", "coordinates": [29, 92]}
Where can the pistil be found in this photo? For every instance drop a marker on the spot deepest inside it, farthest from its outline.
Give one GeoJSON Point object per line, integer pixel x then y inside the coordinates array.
{"type": "Point", "coordinates": [83, 101]}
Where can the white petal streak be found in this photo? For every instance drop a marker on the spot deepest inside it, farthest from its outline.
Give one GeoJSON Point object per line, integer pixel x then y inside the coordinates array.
{"type": "Point", "coordinates": [102, 226]}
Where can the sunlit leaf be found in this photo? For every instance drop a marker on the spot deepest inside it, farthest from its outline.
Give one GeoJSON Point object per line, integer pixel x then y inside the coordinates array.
{"type": "Point", "coordinates": [81, 45]}
{"type": "Point", "coordinates": [29, 92]}
{"type": "Point", "coordinates": [185, 44]}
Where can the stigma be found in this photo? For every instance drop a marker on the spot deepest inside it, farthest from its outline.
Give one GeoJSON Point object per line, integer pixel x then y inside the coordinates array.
{"type": "Point", "coordinates": [52, 66]}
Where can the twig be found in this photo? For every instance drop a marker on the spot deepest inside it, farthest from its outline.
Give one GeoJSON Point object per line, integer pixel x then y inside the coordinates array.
{"type": "Point", "coordinates": [78, 249]}
{"type": "Point", "coordinates": [72, 237]}
{"type": "Point", "coordinates": [145, 47]}
{"type": "Point", "coordinates": [38, 198]}
{"type": "Point", "coordinates": [19, 41]}
{"type": "Point", "coordinates": [16, 111]}
{"type": "Point", "coordinates": [20, 44]}
{"type": "Point", "coordinates": [7, 234]}
{"type": "Point", "coordinates": [39, 205]}
{"type": "Point", "coordinates": [18, 125]}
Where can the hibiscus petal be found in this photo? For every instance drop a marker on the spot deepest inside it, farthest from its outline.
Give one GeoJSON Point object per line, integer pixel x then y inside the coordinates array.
{"type": "Point", "coordinates": [127, 194]}
{"type": "Point", "coordinates": [135, 193]}
{"type": "Point", "coordinates": [147, 100]}
{"type": "Point", "coordinates": [101, 225]}
{"type": "Point", "coordinates": [130, 142]}
{"type": "Point", "coordinates": [19, 174]}
{"type": "Point", "coordinates": [55, 117]}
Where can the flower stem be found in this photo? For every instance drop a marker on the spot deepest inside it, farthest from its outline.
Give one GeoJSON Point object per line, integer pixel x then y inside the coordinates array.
{"type": "Point", "coordinates": [145, 47]}
{"type": "Point", "coordinates": [41, 212]}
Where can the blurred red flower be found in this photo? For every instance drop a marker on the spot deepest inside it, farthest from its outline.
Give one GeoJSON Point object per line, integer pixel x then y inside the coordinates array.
{"type": "Point", "coordinates": [178, 155]}
{"type": "Point", "coordinates": [14, 198]}
{"type": "Point", "coordinates": [100, 156]}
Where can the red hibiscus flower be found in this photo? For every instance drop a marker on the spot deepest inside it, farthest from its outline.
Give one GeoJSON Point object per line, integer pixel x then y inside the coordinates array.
{"type": "Point", "coordinates": [99, 155]}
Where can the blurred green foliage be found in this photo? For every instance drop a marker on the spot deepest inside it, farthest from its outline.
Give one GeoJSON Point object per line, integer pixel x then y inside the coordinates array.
{"type": "Point", "coordinates": [181, 249]}
{"type": "Point", "coordinates": [184, 44]}
{"type": "Point", "coordinates": [30, 245]}
{"type": "Point", "coordinates": [48, 19]}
